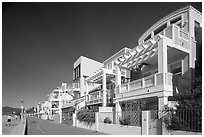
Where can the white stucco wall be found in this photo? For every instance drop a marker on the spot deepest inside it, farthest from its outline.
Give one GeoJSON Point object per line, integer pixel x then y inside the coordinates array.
{"type": "Point", "coordinates": [88, 66]}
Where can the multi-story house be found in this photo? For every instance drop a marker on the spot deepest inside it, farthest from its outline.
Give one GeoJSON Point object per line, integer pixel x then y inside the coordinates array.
{"type": "Point", "coordinates": [140, 78]}
{"type": "Point", "coordinates": [83, 67]}
{"type": "Point", "coordinates": [105, 76]}
{"type": "Point", "coordinates": [163, 62]}
{"type": "Point", "coordinates": [161, 65]}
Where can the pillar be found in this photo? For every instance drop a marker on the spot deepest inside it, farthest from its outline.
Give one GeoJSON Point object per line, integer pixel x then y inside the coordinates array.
{"type": "Point", "coordinates": [162, 56]}
{"type": "Point", "coordinates": [96, 121]}
{"type": "Point", "coordinates": [118, 107]}
{"type": "Point", "coordinates": [118, 78]}
{"type": "Point", "coordinates": [60, 114]}
{"type": "Point", "coordinates": [87, 91]}
{"type": "Point", "coordinates": [146, 122]}
{"type": "Point", "coordinates": [74, 118]}
{"type": "Point", "coordinates": [163, 100]}
{"type": "Point", "coordinates": [118, 112]}
{"type": "Point", "coordinates": [104, 89]}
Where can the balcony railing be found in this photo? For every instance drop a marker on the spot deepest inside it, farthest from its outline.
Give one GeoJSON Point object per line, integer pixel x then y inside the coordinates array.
{"type": "Point", "coordinates": [152, 80]}
{"type": "Point", "coordinates": [73, 86]}
{"type": "Point", "coordinates": [97, 100]}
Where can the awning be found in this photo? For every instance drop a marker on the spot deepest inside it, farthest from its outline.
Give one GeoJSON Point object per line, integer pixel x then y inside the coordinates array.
{"type": "Point", "coordinates": [73, 103]}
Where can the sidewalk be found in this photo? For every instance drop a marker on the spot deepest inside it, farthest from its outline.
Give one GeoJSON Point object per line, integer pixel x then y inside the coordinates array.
{"type": "Point", "coordinates": [19, 129]}
{"type": "Point", "coordinates": [6, 130]}
{"type": "Point", "coordinates": [44, 127]}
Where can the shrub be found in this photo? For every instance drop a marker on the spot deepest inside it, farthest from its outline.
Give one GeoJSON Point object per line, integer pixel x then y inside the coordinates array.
{"type": "Point", "coordinates": [170, 119]}
{"type": "Point", "coordinates": [86, 116]}
{"type": "Point", "coordinates": [107, 121]}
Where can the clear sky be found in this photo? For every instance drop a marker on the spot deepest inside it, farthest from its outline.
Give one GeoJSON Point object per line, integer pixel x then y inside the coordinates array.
{"type": "Point", "coordinates": [41, 41]}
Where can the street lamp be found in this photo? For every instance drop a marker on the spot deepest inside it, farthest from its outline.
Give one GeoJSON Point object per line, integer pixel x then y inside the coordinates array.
{"type": "Point", "coordinates": [22, 109]}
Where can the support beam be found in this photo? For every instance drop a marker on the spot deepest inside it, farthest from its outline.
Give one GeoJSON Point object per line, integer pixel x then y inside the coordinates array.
{"type": "Point", "coordinates": [87, 92]}
{"type": "Point", "coordinates": [104, 89]}
{"type": "Point", "coordinates": [118, 112]}
{"type": "Point", "coordinates": [162, 56]}
{"type": "Point", "coordinates": [162, 102]}
{"type": "Point", "coordinates": [118, 78]}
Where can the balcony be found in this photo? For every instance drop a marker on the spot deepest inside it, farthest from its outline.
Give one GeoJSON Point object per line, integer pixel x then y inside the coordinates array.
{"type": "Point", "coordinates": [73, 86]}
{"type": "Point", "coordinates": [179, 36]}
{"type": "Point", "coordinates": [94, 101]}
{"type": "Point", "coordinates": [95, 97]}
{"type": "Point", "coordinates": [147, 85]}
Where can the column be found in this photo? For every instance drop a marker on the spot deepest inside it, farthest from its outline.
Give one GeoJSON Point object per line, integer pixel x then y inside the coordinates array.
{"type": "Point", "coordinates": [118, 79]}
{"type": "Point", "coordinates": [60, 108]}
{"type": "Point", "coordinates": [118, 112]}
{"type": "Point", "coordinates": [104, 89]}
{"type": "Point", "coordinates": [87, 91]}
{"type": "Point", "coordinates": [60, 114]}
{"type": "Point", "coordinates": [163, 100]}
{"type": "Point", "coordinates": [162, 56]}
{"type": "Point", "coordinates": [146, 122]}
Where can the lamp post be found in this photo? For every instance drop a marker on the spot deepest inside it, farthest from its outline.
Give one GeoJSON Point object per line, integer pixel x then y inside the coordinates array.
{"type": "Point", "coordinates": [22, 109]}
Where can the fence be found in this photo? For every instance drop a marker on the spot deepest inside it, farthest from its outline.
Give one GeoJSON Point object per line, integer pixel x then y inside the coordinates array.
{"type": "Point", "coordinates": [185, 120]}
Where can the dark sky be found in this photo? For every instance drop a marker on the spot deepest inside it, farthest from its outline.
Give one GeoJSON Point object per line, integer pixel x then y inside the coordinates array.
{"type": "Point", "coordinates": [41, 41]}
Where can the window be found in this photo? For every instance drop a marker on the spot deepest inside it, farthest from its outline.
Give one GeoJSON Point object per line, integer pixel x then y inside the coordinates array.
{"type": "Point", "coordinates": [198, 32]}
{"type": "Point", "coordinates": [160, 29]}
{"type": "Point", "coordinates": [109, 66]}
{"type": "Point", "coordinates": [175, 20]}
{"type": "Point", "coordinates": [148, 37]}
{"type": "Point", "coordinates": [77, 71]}
{"type": "Point", "coordinates": [197, 24]}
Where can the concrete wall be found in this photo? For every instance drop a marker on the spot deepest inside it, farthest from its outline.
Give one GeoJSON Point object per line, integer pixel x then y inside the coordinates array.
{"type": "Point", "coordinates": [88, 66]}
{"type": "Point", "coordinates": [114, 129]}
{"type": "Point", "coordinates": [56, 118]}
{"type": "Point", "coordinates": [85, 126]}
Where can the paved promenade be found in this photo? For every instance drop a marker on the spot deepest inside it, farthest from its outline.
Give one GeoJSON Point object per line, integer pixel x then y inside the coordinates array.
{"type": "Point", "coordinates": [6, 130]}
{"type": "Point", "coordinates": [45, 127]}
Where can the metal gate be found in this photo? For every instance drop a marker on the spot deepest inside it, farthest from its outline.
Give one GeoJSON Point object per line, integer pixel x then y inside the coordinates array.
{"type": "Point", "coordinates": [131, 113]}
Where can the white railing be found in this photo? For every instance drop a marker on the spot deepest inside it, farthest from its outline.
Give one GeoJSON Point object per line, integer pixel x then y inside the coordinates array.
{"type": "Point", "coordinates": [96, 100]}
{"type": "Point", "coordinates": [95, 97]}
{"type": "Point", "coordinates": [73, 86]}
{"type": "Point", "coordinates": [149, 81]}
